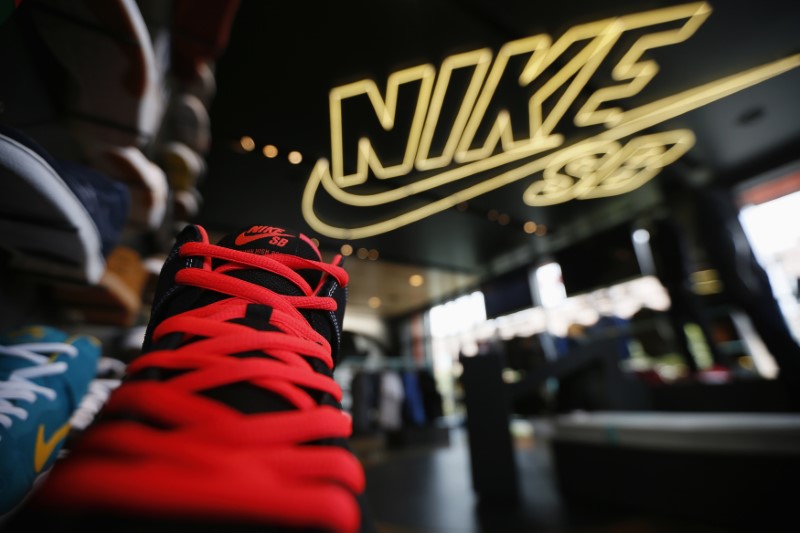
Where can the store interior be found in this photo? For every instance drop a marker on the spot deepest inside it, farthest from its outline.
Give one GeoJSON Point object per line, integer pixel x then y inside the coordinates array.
{"type": "Point", "coordinates": [572, 231]}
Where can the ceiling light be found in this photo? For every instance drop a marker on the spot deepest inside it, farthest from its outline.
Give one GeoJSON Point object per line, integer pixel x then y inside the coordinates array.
{"type": "Point", "coordinates": [362, 253]}
{"type": "Point", "coordinates": [492, 214]}
{"type": "Point", "coordinates": [541, 230]}
{"type": "Point", "coordinates": [315, 241]}
{"type": "Point", "coordinates": [503, 219]}
{"type": "Point", "coordinates": [247, 143]}
{"type": "Point", "coordinates": [295, 157]}
{"type": "Point", "coordinates": [373, 255]}
{"type": "Point", "coordinates": [270, 151]}
{"type": "Point", "coordinates": [346, 250]}
{"type": "Point", "coordinates": [416, 280]}
{"type": "Point", "coordinates": [529, 227]}
{"type": "Point", "coordinates": [374, 302]}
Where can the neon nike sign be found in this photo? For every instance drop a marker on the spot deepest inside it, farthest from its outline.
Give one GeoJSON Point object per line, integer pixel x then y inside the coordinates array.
{"type": "Point", "coordinates": [609, 160]}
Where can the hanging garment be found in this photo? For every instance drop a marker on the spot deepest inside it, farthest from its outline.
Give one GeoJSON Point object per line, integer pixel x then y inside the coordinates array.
{"type": "Point", "coordinates": [413, 406]}
{"type": "Point", "coordinates": [364, 390]}
{"type": "Point", "coordinates": [431, 398]}
{"type": "Point", "coordinates": [390, 409]}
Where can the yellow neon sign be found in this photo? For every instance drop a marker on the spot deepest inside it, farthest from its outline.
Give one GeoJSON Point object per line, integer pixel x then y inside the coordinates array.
{"type": "Point", "coordinates": [599, 165]}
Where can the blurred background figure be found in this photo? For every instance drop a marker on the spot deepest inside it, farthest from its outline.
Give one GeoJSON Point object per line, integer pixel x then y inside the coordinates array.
{"type": "Point", "coordinates": [745, 282]}
{"type": "Point", "coordinates": [674, 265]}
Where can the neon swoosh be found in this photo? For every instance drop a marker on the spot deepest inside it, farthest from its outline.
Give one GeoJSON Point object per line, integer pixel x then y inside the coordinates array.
{"type": "Point", "coordinates": [45, 447]}
{"type": "Point", "coordinates": [632, 121]}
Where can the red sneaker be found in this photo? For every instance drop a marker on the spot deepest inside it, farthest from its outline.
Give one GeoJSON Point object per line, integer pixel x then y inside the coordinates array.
{"type": "Point", "coordinates": [231, 416]}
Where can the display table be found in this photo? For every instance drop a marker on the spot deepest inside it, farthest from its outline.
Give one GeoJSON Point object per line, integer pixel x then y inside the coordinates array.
{"type": "Point", "coordinates": [724, 468]}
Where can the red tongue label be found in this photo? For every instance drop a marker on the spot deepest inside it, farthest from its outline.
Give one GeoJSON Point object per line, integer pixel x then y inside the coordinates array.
{"type": "Point", "coordinates": [277, 236]}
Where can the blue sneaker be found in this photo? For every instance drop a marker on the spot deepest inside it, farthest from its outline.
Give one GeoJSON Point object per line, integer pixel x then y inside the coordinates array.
{"type": "Point", "coordinates": [57, 218]}
{"type": "Point", "coordinates": [44, 374]}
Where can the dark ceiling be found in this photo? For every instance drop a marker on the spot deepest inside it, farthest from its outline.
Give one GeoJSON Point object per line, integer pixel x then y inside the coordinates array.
{"type": "Point", "coordinates": [284, 58]}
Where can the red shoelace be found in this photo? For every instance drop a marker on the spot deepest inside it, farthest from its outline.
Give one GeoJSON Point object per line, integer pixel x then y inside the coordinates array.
{"type": "Point", "coordinates": [201, 459]}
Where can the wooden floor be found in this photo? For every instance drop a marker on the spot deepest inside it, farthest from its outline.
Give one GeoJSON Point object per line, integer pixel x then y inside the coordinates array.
{"type": "Point", "coordinates": [428, 489]}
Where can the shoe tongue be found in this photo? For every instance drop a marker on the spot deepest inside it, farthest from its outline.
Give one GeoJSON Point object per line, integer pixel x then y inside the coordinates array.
{"type": "Point", "coordinates": [263, 240]}
{"type": "Point", "coordinates": [266, 240]}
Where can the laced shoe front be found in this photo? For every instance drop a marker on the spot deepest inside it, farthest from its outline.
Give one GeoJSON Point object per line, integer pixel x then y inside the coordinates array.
{"type": "Point", "coordinates": [231, 415]}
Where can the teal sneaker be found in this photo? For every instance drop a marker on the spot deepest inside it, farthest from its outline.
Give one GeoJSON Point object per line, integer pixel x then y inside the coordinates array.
{"type": "Point", "coordinates": [44, 375]}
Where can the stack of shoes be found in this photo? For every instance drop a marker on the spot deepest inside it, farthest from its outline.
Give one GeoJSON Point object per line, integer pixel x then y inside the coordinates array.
{"type": "Point", "coordinates": [115, 95]}
{"type": "Point", "coordinates": [230, 420]}
{"type": "Point", "coordinates": [116, 300]}
{"type": "Point", "coordinates": [136, 81]}
{"type": "Point", "coordinates": [199, 36]}
{"type": "Point", "coordinates": [145, 180]}
{"type": "Point", "coordinates": [138, 93]}
{"type": "Point", "coordinates": [188, 123]}
{"type": "Point", "coordinates": [184, 168]}
{"type": "Point", "coordinates": [44, 374]}
{"type": "Point", "coordinates": [57, 218]}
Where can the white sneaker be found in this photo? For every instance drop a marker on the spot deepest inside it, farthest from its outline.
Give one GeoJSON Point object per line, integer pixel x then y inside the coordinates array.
{"type": "Point", "coordinates": [146, 181]}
